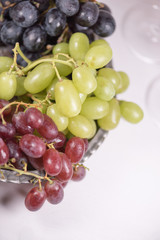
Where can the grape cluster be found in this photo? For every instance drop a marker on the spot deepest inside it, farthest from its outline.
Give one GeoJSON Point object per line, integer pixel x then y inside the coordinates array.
{"type": "Point", "coordinates": [39, 24]}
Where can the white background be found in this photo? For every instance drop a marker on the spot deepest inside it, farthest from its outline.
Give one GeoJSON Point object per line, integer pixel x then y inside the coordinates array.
{"type": "Point", "coordinates": [120, 196]}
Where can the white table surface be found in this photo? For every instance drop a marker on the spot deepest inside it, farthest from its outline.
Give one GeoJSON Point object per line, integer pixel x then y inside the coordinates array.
{"type": "Point", "coordinates": [120, 196]}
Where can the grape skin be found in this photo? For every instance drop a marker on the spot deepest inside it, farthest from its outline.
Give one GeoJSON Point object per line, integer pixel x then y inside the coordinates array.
{"type": "Point", "coordinates": [35, 199]}
{"type": "Point", "coordinates": [69, 7]}
{"type": "Point", "coordinates": [54, 192]}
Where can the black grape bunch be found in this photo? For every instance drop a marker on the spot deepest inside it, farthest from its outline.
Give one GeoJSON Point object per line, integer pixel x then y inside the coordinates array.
{"type": "Point", "coordinates": [39, 24]}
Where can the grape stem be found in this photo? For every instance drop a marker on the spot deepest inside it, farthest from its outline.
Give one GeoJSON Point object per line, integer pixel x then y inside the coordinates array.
{"type": "Point", "coordinates": [21, 172]}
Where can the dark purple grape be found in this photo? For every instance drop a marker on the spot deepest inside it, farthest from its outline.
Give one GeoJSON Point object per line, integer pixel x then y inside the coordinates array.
{"type": "Point", "coordinates": [10, 33]}
{"type": "Point", "coordinates": [35, 199]}
{"type": "Point", "coordinates": [105, 24]}
{"type": "Point", "coordinates": [67, 170]}
{"type": "Point", "coordinates": [52, 162]}
{"type": "Point", "coordinates": [34, 38]}
{"type": "Point", "coordinates": [103, 6]}
{"type": "Point", "coordinates": [49, 129]}
{"type": "Point", "coordinates": [88, 14]}
{"type": "Point", "coordinates": [78, 174]}
{"type": "Point", "coordinates": [75, 149]}
{"type": "Point", "coordinates": [34, 118]}
{"type": "Point", "coordinates": [41, 5]}
{"type": "Point", "coordinates": [19, 121]}
{"type": "Point", "coordinates": [54, 192]}
{"type": "Point", "coordinates": [20, 162]}
{"type": "Point", "coordinates": [37, 163]}
{"type": "Point", "coordinates": [4, 152]}
{"type": "Point", "coordinates": [55, 22]}
{"type": "Point", "coordinates": [30, 55]}
{"type": "Point", "coordinates": [59, 141]}
{"type": "Point", "coordinates": [24, 14]}
{"type": "Point", "coordinates": [7, 130]}
{"type": "Point", "coordinates": [32, 146]}
{"type": "Point", "coordinates": [69, 7]}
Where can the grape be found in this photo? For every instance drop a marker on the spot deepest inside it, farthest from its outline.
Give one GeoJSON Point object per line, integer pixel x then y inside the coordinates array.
{"type": "Point", "coordinates": [39, 78]}
{"type": "Point", "coordinates": [49, 129]}
{"type": "Point", "coordinates": [10, 33]}
{"type": "Point", "coordinates": [99, 42]}
{"type": "Point", "coordinates": [34, 38]}
{"type": "Point", "coordinates": [52, 162]}
{"type": "Point", "coordinates": [19, 121]}
{"type": "Point", "coordinates": [4, 152]}
{"type": "Point", "coordinates": [105, 24]}
{"type": "Point", "coordinates": [8, 85]}
{"type": "Point", "coordinates": [94, 108]}
{"type": "Point", "coordinates": [124, 82]}
{"type": "Point", "coordinates": [7, 131]}
{"type": "Point", "coordinates": [111, 120]}
{"type": "Point", "coordinates": [60, 120]}
{"type": "Point", "coordinates": [6, 3]}
{"type": "Point", "coordinates": [75, 149]}
{"type": "Point", "coordinates": [78, 46]}
{"type": "Point", "coordinates": [61, 48]}
{"type": "Point", "coordinates": [63, 69]}
{"type": "Point", "coordinates": [104, 7]}
{"type": "Point", "coordinates": [31, 56]}
{"type": "Point", "coordinates": [79, 173]}
{"type": "Point", "coordinates": [24, 14]}
{"type": "Point", "coordinates": [75, 27]}
{"type": "Point", "coordinates": [41, 5]}
{"type": "Point", "coordinates": [67, 98]}
{"type": "Point", "coordinates": [88, 14]}
{"type": "Point", "coordinates": [131, 112]}
{"type": "Point", "coordinates": [55, 22]}
{"type": "Point", "coordinates": [105, 89]}
{"type": "Point", "coordinates": [80, 126]}
{"type": "Point", "coordinates": [59, 141]}
{"type": "Point", "coordinates": [34, 118]}
{"type": "Point", "coordinates": [20, 86]}
{"type": "Point", "coordinates": [67, 170]}
{"type": "Point", "coordinates": [20, 162]}
{"type": "Point", "coordinates": [35, 199]}
{"type": "Point", "coordinates": [98, 56]}
{"type": "Point", "coordinates": [90, 34]}
{"type": "Point", "coordinates": [84, 80]}
{"type": "Point", "coordinates": [51, 88]}
{"type": "Point", "coordinates": [3, 103]}
{"type": "Point", "coordinates": [54, 192]}
{"type": "Point", "coordinates": [111, 75]}
{"type": "Point", "coordinates": [83, 97]}
{"type": "Point", "coordinates": [5, 64]}
{"type": "Point", "coordinates": [69, 7]}
{"type": "Point", "coordinates": [32, 146]}
{"type": "Point", "coordinates": [94, 128]}
{"type": "Point", "coordinates": [37, 163]}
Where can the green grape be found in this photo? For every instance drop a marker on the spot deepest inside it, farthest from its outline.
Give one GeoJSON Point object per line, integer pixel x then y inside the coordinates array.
{"type": "Point", "coordinates": [20, 86]}
{"type": "Point", "coordinates": [8, 85]}
{"type": "Point", "coordinates": [105, 89]}
{"type": "Point", "coordinates": [80, 126]}
{"type": "Point", "coordinates": [98, 56]}
{"type": "Point", "coordinates": [61, 48]}
{"type": "Point", "coordinates": [98, 43]}
{"type": "Point", "coordinates": [95, 108]}
{"type": "Point", "coordinates": [131, 112]}
{"type": "Point", "coordinates": [82, 63]}
{"type": "Point", "coordinates": [51, 88]}
{"type": "Point", "coordinates": [111, 120]}
{"type": "Point", "coordinates": [39, 78]}
{"type": "Point", "coordinates": [78, 46]}
{"type": "Point", "coordinates": [60, 120]}
{"type": "Point", "coordinates": [63, 69]}
{"type": "Point", "coordinates": [83, 97]}
{"type": "Point", "coordinates": [111, 75]}
{"type": "Point", "coordinates": [124, 82]}
{"type": "Point", "coordinates": [5, 64]}
{"type": "Point", "coordinates": [94, 128]}
{"type": "Point", "coordinates": [67, 98]}
{"type": "Point", "coordinates": [41, 95]}
{"type": "Point", "coordinates": [84, 80]}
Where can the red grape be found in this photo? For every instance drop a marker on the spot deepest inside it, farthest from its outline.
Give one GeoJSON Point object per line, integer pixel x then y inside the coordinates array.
{"type": "Point", "coordinates": [3, 103]}
{"type": "Point", "coordinates": [54, 192]}
{"type": "Point", "coordinates": [49, 129]}
{"type": "Point", "coordinates": [75, 149]}
{"type": "Point", "coordinates": [59, 141]}
{"type": "Point", "coordinates": [4, 152]}
{"type": "Point", "coordinates": [35, 199]}
{"type": "Point", "coordinates": [34, 118]}
{"type": "Point", "coordinates": [67, 170]}
{"type": "Point", "coordinates": [32, 146]}
{"type": "Point", "coordinates": [19, 121]}
{"type": "Point", "coordinates": [37, 163]}
{"type": "Point", "coordinates": [7, 130]}
{"type": "Point", "coordinates": [79, 173]}
{"type": "Point", "coordinates": [52, 162]}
